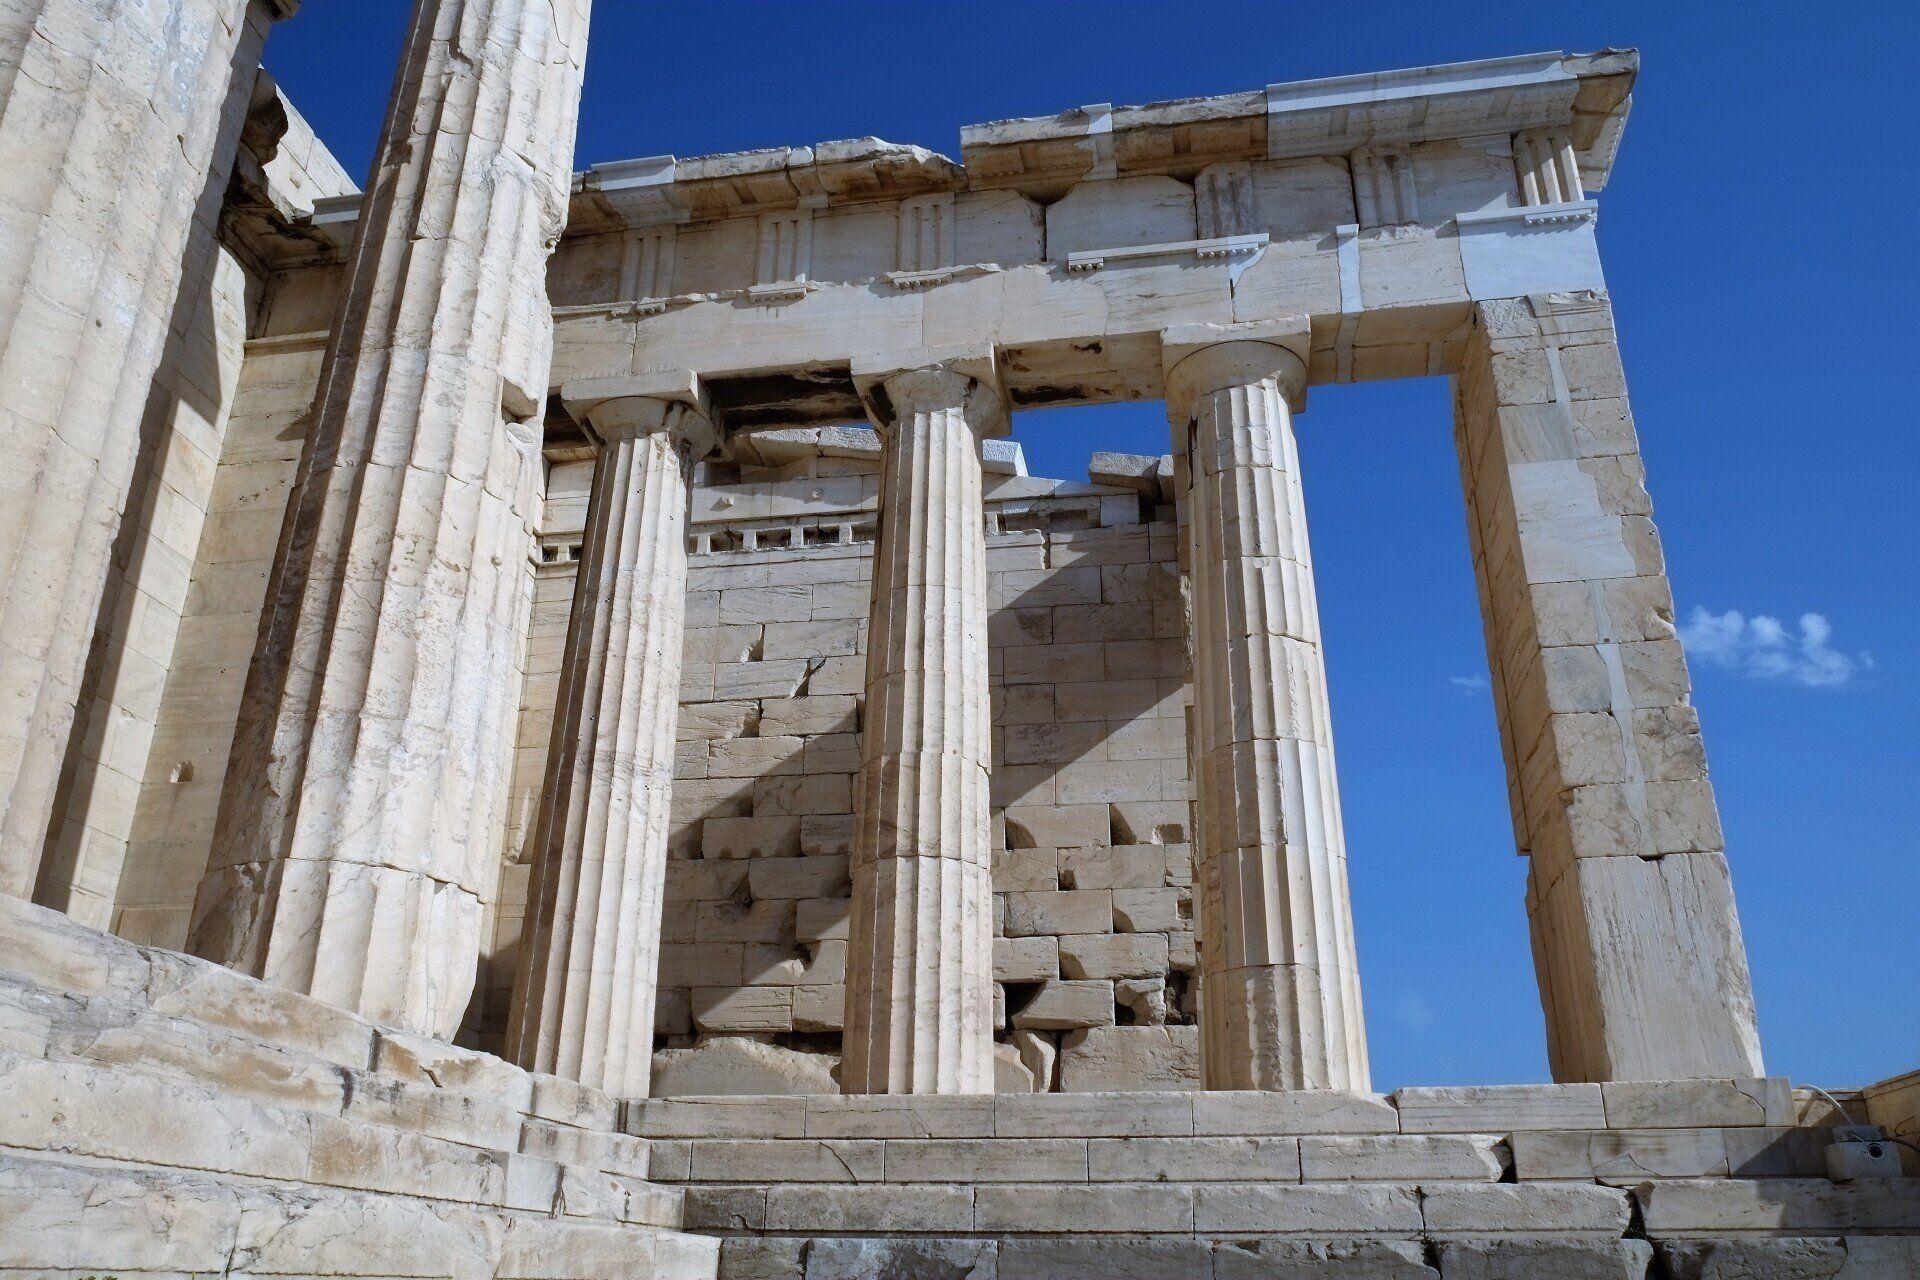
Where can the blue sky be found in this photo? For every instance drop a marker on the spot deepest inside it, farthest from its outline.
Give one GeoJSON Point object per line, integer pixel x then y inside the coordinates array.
{"type": "Point", "coordinates": [1759, 244]}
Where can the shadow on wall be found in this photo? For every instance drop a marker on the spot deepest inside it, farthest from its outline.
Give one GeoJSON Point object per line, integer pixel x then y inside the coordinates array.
{"type": "Point", "coordinates": [147, 584]}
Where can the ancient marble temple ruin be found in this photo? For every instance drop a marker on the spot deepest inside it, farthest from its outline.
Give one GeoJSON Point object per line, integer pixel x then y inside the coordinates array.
{"type": "Point", "coordinates": [547, 732]}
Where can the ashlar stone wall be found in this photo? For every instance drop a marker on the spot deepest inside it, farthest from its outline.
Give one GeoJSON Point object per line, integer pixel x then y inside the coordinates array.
{"type": "Point", "coordinates": [1092, 872]}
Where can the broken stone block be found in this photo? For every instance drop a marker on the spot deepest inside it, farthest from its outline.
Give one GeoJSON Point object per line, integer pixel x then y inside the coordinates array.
{"type": "Point", "coordinates": [1145, 997]}
{"type": "Point", "coordinates": [820, 1008]}
{"type": "Point", "coordinates": [1010, 1072]}
{"type": "Point", "coordinates": [737, 1066]}
{"type": "Point", "coordinates": [1038, 1053]}
{"type": "Point", "coordinates": [1148, 822]}
{"type": "Point", "coordinates": [1402, 1158]}
{"type": "Point", "coordinates": [757, 1009]}
{"type": "Point", "coordinates": [1120, 1059]}
{"type": "Point", "coordinates": [777, 837]}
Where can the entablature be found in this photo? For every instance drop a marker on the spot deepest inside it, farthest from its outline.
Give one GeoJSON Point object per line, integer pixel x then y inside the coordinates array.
{"type": "Point", "coordinates": [1379, 206]}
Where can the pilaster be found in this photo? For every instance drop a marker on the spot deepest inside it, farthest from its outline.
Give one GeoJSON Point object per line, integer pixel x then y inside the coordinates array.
{"type": "Point", "coordinates": [1637, 945]}
{"type": "Point", "coordinates": [1280, 985]}
{"type": "Point", "coordinates": [584, 999]}
{"type": "Point", "coordinates": [919, 1015]}
{"type": "Point", "coordinates": [356, 843]}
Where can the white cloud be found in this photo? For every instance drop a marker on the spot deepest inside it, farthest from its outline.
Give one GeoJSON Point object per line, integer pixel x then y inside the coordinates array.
{"type": "Point", "coordinates": [1763, 648]}
{"type": "Point", "coordinates": [1414, 1012]}
{"type": "Point", "coordinates": [1470, 684]}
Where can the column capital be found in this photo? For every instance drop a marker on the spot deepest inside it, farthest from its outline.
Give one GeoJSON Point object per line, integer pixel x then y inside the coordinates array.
{"type": "Point", "coordinates": [640, 404]}
{"type": "Point", "coordinates": [1199, 359]}
{"type": "Point", "coordinates": [966, 377]}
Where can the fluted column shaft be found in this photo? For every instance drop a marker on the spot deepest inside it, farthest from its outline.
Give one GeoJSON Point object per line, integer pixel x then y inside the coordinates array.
{"type": "Point", "coordinates": [113, 116]}
{"type": "Point", "coordinates": [355, 846]}
{"type": "Point", "coordinates": [920, 956]}
{"type": "Point", "coordinates": [1280, 989]}
{"type": "Point", "coordinates": [584, 998]}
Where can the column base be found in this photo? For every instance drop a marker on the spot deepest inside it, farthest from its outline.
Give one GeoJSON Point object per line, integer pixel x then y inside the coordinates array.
{"type": "Point", "coordinates": [920, 979]}
{"type": "Point", "coordinates": [392, 946]}
{"type": "Point", "coordinates": [1643, 970]}
{"type": "Point", "coordinates": [1279, 1027]}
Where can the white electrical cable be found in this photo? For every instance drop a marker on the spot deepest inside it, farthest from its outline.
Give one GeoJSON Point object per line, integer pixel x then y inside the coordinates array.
{"type": "Point", "coordinates": [1846, 1117]}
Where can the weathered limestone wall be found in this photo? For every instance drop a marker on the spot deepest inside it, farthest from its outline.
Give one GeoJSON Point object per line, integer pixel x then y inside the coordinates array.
{"type": "Point", "coordinates": [147, 594]}
{"type": "Point", "coordinates": [1092, 871]}
{"type": "Point", "coordinates": [118, 124]}
{"type": "Point", "coordinates": [187, 767]}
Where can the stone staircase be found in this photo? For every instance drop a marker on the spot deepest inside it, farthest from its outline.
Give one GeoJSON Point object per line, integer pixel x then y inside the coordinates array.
{"type": "Point", "coordinates": [1697, 1180]}
{"type": "Point", "coordinates": [162, 1115]}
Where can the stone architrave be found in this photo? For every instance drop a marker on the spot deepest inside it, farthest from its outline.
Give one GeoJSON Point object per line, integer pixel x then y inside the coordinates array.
{"type": "Point", "coordinates": [584, 998]}
{"type": "Point", "coordinates": [1280, 984]}
{"type": "Point", "coordinates": [114, 121]}
{"type": "Point", "coordinates": [919, 1012]}
{"type": "Point", "coordinates": [355, 847]}
{"type": "Point", "coordinates": [1637, 945]}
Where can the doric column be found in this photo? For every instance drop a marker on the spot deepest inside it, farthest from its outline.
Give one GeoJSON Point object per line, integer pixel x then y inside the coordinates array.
{"type": "Point", "coordinates": [113, 117]}
{"type": "Point", "coordinates": [919, 1016]}
{"type": "Point", "coordinates": [355, 845]}
{"type": "Point", "coordinates": [1637, 946]}
{"type": "Point", "coordinates": [589, 963]}
{"type": "Point", "coordinates": [1280, 986]}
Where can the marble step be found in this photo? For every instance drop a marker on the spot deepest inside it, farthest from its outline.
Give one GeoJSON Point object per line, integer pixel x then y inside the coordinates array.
{"type": "Point", "coordinates": [1622, 1158]}
{"type": "Point", "coordinates": [989, 1161]}
{"type": "Point", "coordinates": [1248, 1257]}
{"type": "Point", "coordinates": [1330, 1210]}
{"type": "Point", "coordinates": [111, 1114]}
{"type": "Point", "coordinates": [60, 1215]}
{"type": "Point", "coordinates": [1276, 1257]}
{"type": "Point", "coordinates": [1497, 1109]}
{"type": "Point", "coordinates": [69, 993]}
{"type": "Point", "coordinates": [108, 1032]}
{"type": "Point", "coordinates": [1666, 1210]}
{"type": "Point", "coordinates": [148, 1057]}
